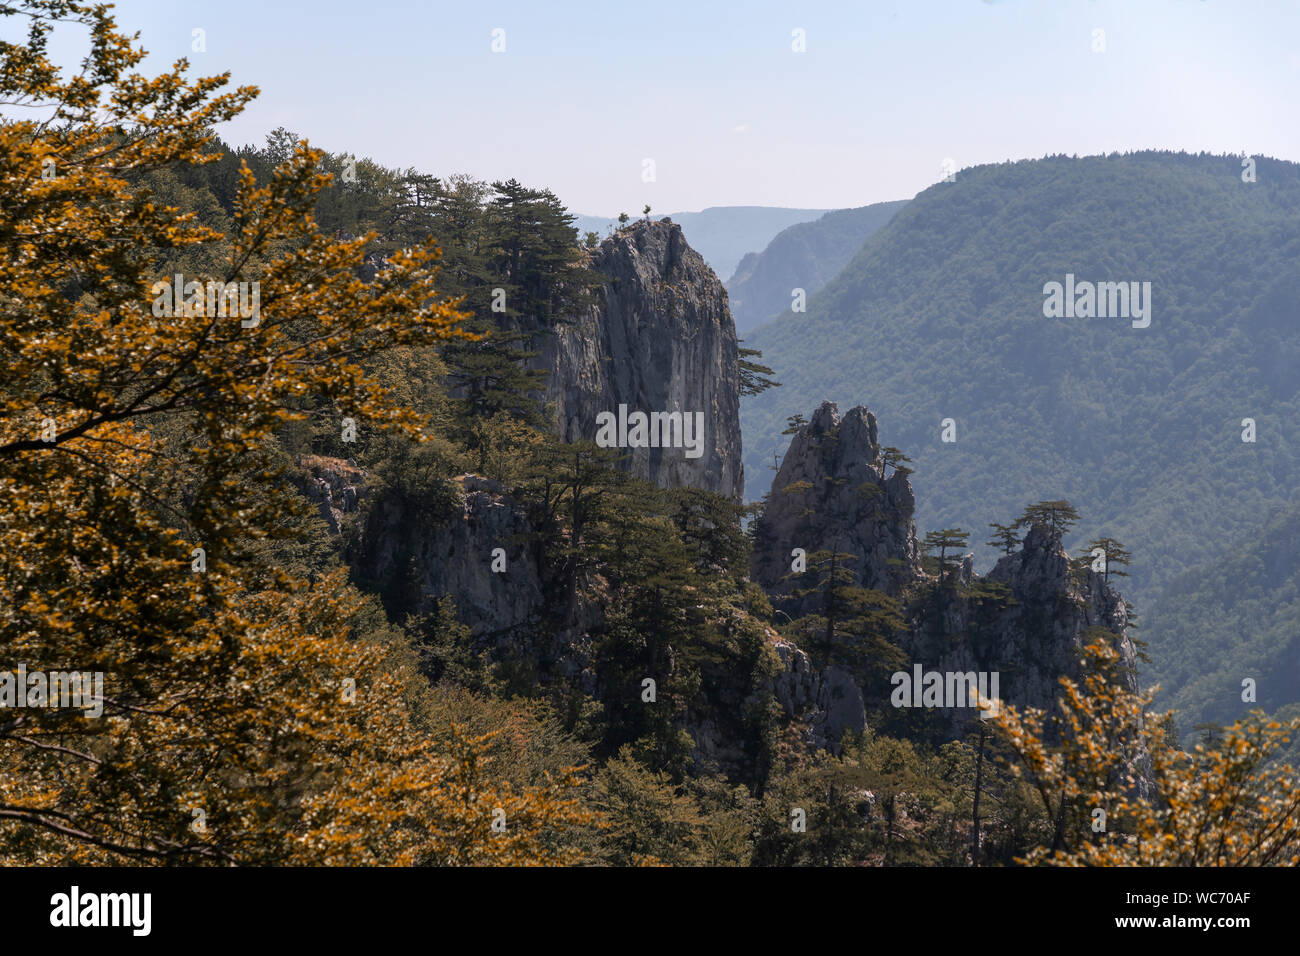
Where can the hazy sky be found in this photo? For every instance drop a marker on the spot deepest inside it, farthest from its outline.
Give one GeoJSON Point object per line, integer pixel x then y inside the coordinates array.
{"type": "Point", "coordinates": [715, 95]}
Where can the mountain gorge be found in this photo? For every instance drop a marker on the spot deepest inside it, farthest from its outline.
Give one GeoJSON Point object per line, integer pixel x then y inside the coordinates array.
{"type": "Point", "coordinates": [803, 256]}
{"type": "Point", "coordinates": [659, 335]}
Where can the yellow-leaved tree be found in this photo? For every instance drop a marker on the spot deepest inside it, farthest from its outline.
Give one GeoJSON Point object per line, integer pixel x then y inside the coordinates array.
{"type": "Point", "coordinates": [241, 718]}
{"type": "Point", "coordinates": [1121, 793]}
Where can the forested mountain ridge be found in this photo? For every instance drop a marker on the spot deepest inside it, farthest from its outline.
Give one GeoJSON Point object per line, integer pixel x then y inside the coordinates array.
{"type": "Point", "coordinates": [804, 256]}
{"type": "Point", "coordinates": [1225, 635]}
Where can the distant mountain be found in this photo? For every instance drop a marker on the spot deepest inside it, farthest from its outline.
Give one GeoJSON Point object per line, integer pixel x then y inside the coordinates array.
{"type": "Point", "coordinates": [721, 234]}
{"type": "Point", "coordinates": [804, 256]}
{"type": "Point", "coordinates": [941, 316]}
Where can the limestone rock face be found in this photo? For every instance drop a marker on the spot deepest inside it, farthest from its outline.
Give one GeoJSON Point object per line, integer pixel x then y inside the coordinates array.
{"type": "Point", "coordinates": [1051, 603]}
{"type": "Point", "coordinates": [1033, 639]}
{"type": "Point", "coordinates": [841, 703]}
{"type": "Point", "coordinates": [336, 485]}
{"type": "Point", "coordinates": [797, 686]}
{"type": "Point", "coordinates": [452, 554]}
{"type": "Point", "coordinates": [659, 338]}
{"type": "Point", "coordinates": [829, 701]}
{"type": "Point", "coordinates": [1026, 620]}
{"type": "Point", "coordinates": [831, 493]}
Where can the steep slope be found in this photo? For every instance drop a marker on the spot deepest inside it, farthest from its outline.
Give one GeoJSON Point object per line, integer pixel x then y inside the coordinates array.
{"type": "Point", "coordinates": [941, 315]}
{"type": "Point", "coordinates": [804, 256]}
{"type": "Point", "coordinates": [831, 492]}
{"type": "Point", "coordinates": [658, 339]}
{"type": "Point", "coordinates": [1232, 619]}
{"type": "Point", "coordinates": [721, 234]}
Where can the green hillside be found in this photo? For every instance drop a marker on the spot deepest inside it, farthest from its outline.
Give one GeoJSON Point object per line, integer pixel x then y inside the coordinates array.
{"type": "Point", "coordinates": [941, 315]}
{"type": "Point", "coordinates": [804, 256]}
{"type": "Point", "coordinates": [1230, 619]}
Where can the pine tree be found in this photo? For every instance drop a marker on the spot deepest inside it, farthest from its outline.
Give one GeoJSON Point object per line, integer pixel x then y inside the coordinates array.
{"type": "Point", "coordinates": [850, 626]}
{"type": "Point", "coordinates": [794, 424]}
{"type": "Point", "coordinates": [571, 488]}
{"type": "Point", "coordinates": [1114, 556]}
{"type": "Point", "coordinates": [533, 256]}
{"type": "Point", "coordinates": [753, 376]}
{"type": "Point", "coordinates": [1057, 516]}
{"type": "Point", "coordinates": [489, 377]}
{"type": "Point", "coordinates": [1004, 537]}
{"type": "Point", "coordinates": [949, 539]}
{"type": "Point", "coordinates": [895, 459]}
{"type": "Point", "coordinates": [651, 821]}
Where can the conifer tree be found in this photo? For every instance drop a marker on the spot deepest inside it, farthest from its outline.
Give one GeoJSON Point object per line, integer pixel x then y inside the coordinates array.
{"type": "Point", "coordinates": [948, 540]}
{"type": "Point", "coordinates": [851, 626]}
{"type": "Point", "coordinates": [1057, 516]}
{"type": "Point", "coordinates": [794, 424]}
{"type": "Point", "coordinates": [489, 377]}
{"type": "Point", "coordinates": [1004, 537]}
{"type": "Point", "coordinates": [1113, 553]}
{"type": "Point", "coordinates": [753, 376]}
{"type": "Point", "coordinates": [895, 459]}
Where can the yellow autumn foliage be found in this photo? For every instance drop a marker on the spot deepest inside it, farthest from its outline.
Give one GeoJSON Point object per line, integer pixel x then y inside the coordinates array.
{"type": "Point", "coordinates": [243, 722]}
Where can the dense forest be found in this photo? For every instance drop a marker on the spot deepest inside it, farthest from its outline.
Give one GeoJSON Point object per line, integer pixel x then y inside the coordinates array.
{"type": "Point", "coordinates": [221, 512]}
{"type": "Point", "coordinates": [1233, 619]}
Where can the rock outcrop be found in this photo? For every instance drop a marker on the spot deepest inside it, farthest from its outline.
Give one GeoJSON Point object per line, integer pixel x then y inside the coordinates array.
{"type": "Point", "coordinates": [1029, 627]}
{"type": "Point", "coordinates": [426, 554]}
{"type": "Point", "coordinates": [336, 485]}
{"type": "Point", "coordinates": [659, 338]}
{"type": "Point", "coordinates": [1026, 621]}
{"type": "Point", "coordinates": [829, 702]}
{"type": "Point", "coordinates": [831, 493]}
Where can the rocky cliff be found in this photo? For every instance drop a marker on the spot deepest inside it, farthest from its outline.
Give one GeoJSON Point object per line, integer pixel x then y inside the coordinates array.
{"type": "Point", "coordinates": [469, 544]}
{"type": "Point", "coordinates": [828, 701]}
{"type": "Point", "coordinates": [659, 338]}
{"type": "Point", "coordinates": [472, 550]}
{"type": "Point", "coordinates": [1026, 620]}
{"type": "Point", "coordinates": [831, 493]}
{"type": "Point", "coordinates": [1029, 627]}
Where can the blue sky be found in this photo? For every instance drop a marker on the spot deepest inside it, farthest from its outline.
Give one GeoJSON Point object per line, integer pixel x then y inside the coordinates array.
{"type": "Point", "coordinates": [715, 95]}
